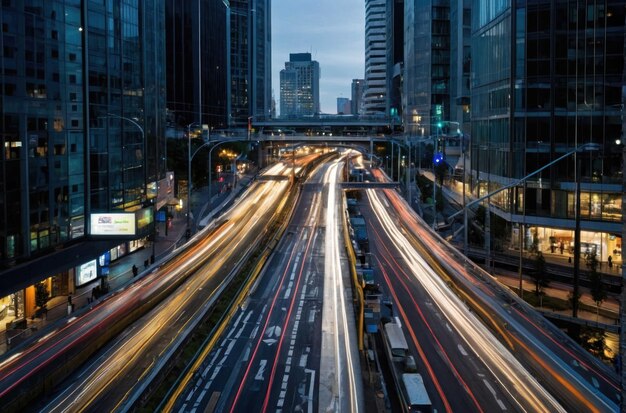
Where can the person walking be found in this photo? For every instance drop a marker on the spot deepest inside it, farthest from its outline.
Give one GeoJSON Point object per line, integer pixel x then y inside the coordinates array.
{"type": "Point", "coordinates": [135, 270]}
{"type": "Point", "coordinates": [610, 259]}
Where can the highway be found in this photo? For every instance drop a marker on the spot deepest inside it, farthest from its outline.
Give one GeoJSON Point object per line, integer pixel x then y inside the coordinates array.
{"type": "Point", "coordinates": [465, 367]}
{"type": "Point", "coordinates": [291, 346]}
{"type": "Point", "coordinates": [105, 381]}
{"type": "Point", "coordinates": [566, 375]}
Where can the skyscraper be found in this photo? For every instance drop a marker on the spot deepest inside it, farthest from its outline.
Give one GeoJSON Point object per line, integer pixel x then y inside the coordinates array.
{"type": "Point", "coordinates": [375, 94]}
{"type": "Point", "coordinates": [426, 63]}
{"type": "Point", "coordinates": [197, 47]}
{"type": "Point", "coordinates": [343, 106]}
{"type": "Point", "coordinates": [300, 86]}
{"type": "Point", "coordinates": [543, 85]}
{"type": "Point", "coordinates": [357, 88]}
{"type": "Point", "coordinates": [250, 79]}
{"type": "Point", "coordinates": [82, 105]}
{"type": "Point", "coordinates": [395, 58]}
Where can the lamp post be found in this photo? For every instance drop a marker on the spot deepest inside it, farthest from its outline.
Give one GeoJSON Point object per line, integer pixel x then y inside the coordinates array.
{"type": "Point", "coordinates": [435, 175]}
{"type": "Point", "coordinates": [576, 274]}
{"type": "Point", "coordinates": [586, 146]}
{"type": "Point", "coordinates": [143, 139]}
{"type": "Point", "coordinates": [189, 158]}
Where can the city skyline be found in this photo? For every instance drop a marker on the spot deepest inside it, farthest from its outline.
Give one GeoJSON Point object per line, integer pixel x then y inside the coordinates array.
{"type": "Point", "coordinates": [338, 44]}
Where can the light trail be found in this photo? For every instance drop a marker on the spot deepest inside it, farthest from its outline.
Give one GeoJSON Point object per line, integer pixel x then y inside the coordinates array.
{"type": "Point", "coordinates": [497, 358]}
{"type": "Point", "coordinates": [332, 267]}
{"type": "Point", "coordinates": [392, 262]}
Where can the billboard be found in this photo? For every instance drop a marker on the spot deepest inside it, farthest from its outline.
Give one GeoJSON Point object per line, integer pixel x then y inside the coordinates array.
{"type": "Point", "coordinates": [113, 224]}
{"type": "Point", "coordinates": [86, 273]}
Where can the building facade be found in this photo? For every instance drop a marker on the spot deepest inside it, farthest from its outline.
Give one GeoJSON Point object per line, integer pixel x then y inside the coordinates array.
{"type": "Point", "coordinates": [300, 86]}
{"type": "Point", "coordinates": [356, 101]}
{"type": "Point", "coordinates": [543, 85]}
{"type": "Point", "coordinates": [250, 74]}
{"type": "Point", "coordinates": [344, 106]}
{"type": "Point", "coordinates": [426, 65]}
{"type": "Point", "coordinates": [460, 62]}
{"type": "Point", "coordinates": [395, 58]}
{"type": "Point", "coordinates": [197, 45]}
{"type": "Point", "coordinates": [375, 93]}
{"type": "Point", "coordinates": [82, 107]}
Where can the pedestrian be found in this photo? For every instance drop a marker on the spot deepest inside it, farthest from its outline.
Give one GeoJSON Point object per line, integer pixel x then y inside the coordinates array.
{"type": "Point", "coordinates": [561, 247]}
{"type": "Point", "coordinates": [70, 307]}
{"type": "Point", "coordinates": [610, 259]}
{"type": "Point", "coordinates": [135, 270]}
{"type": "Point", "coordinates": [146, 263]}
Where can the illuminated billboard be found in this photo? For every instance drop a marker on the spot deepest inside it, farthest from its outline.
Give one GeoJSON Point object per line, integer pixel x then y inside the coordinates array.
{"type": "Point", "coordinates": [86, 273]}
{"type": "Point", "coordinates": [113, 224]}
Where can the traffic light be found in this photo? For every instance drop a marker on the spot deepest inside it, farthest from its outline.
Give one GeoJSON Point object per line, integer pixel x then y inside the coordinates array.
{"type": "Point", "coordinates": [439, 124]}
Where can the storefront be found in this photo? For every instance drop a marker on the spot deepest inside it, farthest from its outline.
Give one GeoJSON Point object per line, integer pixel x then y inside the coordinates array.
{"type": "Point", "coordinates": [561, 242]}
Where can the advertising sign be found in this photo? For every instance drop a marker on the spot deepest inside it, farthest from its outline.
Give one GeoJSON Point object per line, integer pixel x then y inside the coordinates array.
{"type": "Point", "coordinates": [144, 217]}
{"type": "Point", "coordinates": [113, 224]}
{"type": "Point", "coordinates": [86, 273]}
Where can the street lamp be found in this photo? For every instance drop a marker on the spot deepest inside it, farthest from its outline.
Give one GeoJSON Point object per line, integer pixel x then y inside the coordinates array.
{"type": "Point", "coordinates": [189, 158]}
{"type": "Point", "coordinates": [587, 146]}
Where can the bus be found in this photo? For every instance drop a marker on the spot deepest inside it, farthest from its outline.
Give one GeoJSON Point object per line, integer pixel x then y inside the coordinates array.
{"type": "Point", "coordinates": [415, 397]}
{"type": "Point", "coordinates": [395, 343]}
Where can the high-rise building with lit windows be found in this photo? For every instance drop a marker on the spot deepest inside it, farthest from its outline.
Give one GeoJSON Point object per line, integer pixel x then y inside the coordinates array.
{"type": "Point", "coordinates": [375, 93]}
{"type": "Point", "coordinates": [547, 78]}
{"type": "Point", "coordinates": [300, 86]}
{"type": "Point", "coordinates": [250, 78]}
{"type": "Point", "coordinates": [82, 104]}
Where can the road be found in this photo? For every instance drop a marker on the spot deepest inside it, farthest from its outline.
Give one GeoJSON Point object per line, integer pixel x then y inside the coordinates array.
{"type": "Point", "coordinates": [567, 372]}
{"type": "Point", "coordinates": [291, 345]}
{"type": "Point", "coordinates": [464, 366]}
{"type": "Point", "coordinates": [105, 382]}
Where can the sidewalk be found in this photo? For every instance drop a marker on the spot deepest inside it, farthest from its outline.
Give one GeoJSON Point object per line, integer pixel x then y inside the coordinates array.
{"type": "Point", "coordinates": [121, 270]}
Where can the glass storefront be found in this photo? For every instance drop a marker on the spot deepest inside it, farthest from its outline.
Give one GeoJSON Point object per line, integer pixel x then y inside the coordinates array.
{"type": "Point", "coordinates": [561, 242]}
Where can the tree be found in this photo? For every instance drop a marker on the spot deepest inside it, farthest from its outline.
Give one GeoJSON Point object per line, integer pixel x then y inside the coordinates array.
{"type": "Point", "coordinates": [598, 290]}
{"type": "Point", "coordinates": [41, 296]}
{"type": "Point", "coordinates": [539, 274]}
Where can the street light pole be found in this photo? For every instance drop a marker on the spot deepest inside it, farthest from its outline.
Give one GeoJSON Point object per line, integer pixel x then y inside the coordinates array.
{"type": "Point", "coordinates": [435, 178]}
{"type": "Point", "coordinates": [576, 274]}
{"type": "Point", "coordinates": [189, 186]}
{"type": "Point", "coordinates": [589, 146]}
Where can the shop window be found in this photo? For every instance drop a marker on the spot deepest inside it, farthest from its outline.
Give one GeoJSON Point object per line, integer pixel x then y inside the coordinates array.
{"type": "Point", "coordinates": [612, 207]}
{"type": "Point", "coordinates": [12, 150]}
{"type": "Point", "coordinates": [33, 241]}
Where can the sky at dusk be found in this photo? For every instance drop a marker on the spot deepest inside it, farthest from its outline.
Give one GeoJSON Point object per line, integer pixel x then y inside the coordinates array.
{"type": "Point", "coordinates": [332, 31]}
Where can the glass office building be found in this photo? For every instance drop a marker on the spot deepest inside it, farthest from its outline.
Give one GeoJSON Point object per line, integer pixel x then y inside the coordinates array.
{"type": "Point", "coordinates": [546, 79]}
{"type": "Point", "coordinates": [82, 101]}
{"type": "Point", "coordinates": [426, 65]}
{"type": "Point", "coordinates": [197, 62]}
{"type": "Point", "coordinates": [250, 79]}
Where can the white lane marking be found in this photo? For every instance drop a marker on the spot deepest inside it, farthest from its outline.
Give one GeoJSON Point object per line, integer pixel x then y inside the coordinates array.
{"type": "Point", "coordinates": [311, 385]}
{"type": "Point", "coordinates": [303, 360]}
{"type": "Point", "coordinates": [462, 350]}
{"type": "Point", "coordinates": [502, 406]}
{"type": "Point", "coordinates": [259, 374]}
